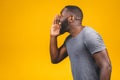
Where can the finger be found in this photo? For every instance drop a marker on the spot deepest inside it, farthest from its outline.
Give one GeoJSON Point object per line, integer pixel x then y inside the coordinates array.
{"type": "Point", "coordinates": [54, 21]}
{"type": "Point", "coordinates": [57, 19]}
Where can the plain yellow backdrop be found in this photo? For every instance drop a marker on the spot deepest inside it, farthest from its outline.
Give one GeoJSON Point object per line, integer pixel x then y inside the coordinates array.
{"type": "Point", "coordinates": [24, 36]}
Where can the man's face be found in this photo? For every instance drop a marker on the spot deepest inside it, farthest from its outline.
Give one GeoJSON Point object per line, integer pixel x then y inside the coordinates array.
{"type": "Point", "coordinates": [64, 22]}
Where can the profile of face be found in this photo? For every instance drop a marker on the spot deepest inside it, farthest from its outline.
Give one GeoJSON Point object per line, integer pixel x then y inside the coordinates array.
{"type": "Point", "coordinates": [64, 22]}
{"type": "Point", "coordinates": [64, 26]}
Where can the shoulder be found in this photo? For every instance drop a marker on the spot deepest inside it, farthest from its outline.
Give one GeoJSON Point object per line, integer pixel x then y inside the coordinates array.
{"type": "Point", "coordinates": [89, 30]}
{"type": "Point", "coordinates": [90, 33]}
{"type": "Point", "coordinates": [93, 41]}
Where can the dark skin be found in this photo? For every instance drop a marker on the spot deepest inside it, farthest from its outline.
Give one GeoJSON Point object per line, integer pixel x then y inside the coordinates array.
{"type": "Point", "coordinates": [74, 27]}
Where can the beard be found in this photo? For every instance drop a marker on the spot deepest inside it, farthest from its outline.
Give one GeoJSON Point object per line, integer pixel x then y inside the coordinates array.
{"type": "Point", "coordinates": [64, 26]}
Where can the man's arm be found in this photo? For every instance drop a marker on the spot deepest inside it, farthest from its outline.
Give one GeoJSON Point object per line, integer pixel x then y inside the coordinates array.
{"type": "Point", "coordinates": [103, 62]}
{"type": "Point", "coordinates": [97, 48]}
{"type": "Point", "coordinates": [57, 54]}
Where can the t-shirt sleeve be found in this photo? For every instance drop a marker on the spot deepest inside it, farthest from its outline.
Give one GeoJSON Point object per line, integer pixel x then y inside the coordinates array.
{"type": "Point", "coordinates": [94, 42]}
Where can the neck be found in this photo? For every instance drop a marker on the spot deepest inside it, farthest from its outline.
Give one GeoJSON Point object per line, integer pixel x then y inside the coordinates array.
{"type": "Point", "coordinates": [74, 31]}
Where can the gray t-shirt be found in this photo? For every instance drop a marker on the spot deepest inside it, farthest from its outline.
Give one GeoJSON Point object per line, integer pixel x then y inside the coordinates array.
{"type": "Point", "coordinates": [80, 50]}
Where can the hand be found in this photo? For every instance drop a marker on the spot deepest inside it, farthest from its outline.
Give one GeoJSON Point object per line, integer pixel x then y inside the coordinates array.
{"type": "Point", "coordinates": [55, 29]}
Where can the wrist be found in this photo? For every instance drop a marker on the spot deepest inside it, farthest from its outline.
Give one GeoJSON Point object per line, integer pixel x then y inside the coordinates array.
{"type": "Point", "coordinates": [53, 36]}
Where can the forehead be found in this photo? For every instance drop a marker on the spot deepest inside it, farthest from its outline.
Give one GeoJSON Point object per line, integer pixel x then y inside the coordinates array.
{"type": "Point", "coordinates": [65, 12]}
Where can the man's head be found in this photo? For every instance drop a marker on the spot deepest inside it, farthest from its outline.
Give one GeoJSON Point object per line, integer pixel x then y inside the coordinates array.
{"type": "Point", "coordinates": [70, 15]}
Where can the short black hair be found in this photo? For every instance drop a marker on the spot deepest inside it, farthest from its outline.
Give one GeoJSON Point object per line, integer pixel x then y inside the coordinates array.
{"type": "Point", "coordinates": [74, 10]}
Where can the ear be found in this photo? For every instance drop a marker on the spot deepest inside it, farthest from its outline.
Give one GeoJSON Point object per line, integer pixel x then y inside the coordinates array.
{"type": "Point", "coordinates": [71, 19]}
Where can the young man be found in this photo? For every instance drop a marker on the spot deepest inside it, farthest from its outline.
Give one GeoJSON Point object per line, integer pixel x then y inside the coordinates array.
{"type": "Point", "coordinates": [84, 46]}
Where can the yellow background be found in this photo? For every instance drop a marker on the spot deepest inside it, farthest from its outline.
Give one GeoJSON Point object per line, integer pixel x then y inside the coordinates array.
{"type": "Point", "coordinates": [24, 36]}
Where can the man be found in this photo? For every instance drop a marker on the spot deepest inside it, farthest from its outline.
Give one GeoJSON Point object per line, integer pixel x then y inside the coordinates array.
{"type": "Point", "coordinates": [84, 46]}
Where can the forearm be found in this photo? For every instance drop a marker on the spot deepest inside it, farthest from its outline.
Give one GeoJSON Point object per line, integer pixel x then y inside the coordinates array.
{"type": "Point", "coordinates": [53, 48]}
{"type": "Point", "coordinates": [105, 73]}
